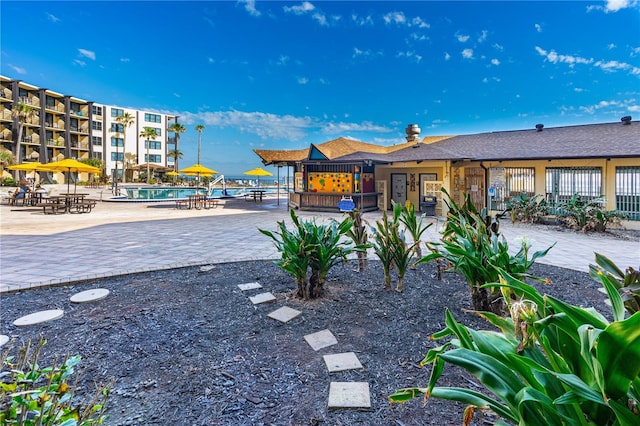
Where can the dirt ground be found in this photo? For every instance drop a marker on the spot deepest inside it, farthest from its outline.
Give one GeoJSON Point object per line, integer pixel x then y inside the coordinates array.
{"type": "Point", "coordinates": [187, 347]}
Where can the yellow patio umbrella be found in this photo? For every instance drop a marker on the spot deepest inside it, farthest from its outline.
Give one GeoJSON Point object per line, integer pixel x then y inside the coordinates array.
{"type": "Point", "coordinates": [172, 173]}
{"type": "Point", "coordinates": [258, 171]}
{"type": "Point", "coordinates": [69, 165]}
{"type": "Point", "coordinates": [29, 167]}
{"type": "Point", "coordinates": [198, 170]}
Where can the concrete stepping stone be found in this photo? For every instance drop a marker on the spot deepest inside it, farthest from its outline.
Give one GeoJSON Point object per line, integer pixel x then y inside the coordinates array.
{"type": "Point", "coordinates": [90, 295]}
{"type": "Point", "coordinates": [349, 395]}
{"type": "Point", "coordinates": [3, 340]}
{"type": "Point", "coordinates": [342, 362]}
{"type": "Point", "coordinates": [321, 339]}
{"type": "Point", "coordinates": [38, 317]}
{"type": "Point", "coordinates": [262, 298]}
{"type": "Point", "coordinates": [249, 286]}
{"type": "Point", "coordinates": [284, 314]}
{"type": "Point", "coordinates": [207, 268]}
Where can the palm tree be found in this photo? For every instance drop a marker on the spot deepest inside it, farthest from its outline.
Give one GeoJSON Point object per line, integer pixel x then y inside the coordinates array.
{"type": "Point", "coordinates": [199, 129]}
{"type": "Point", "coordinates": [148, 133]}
{"type": "Point", "coordinates": [176, 128]}
{"type": "Point", "coordinates": [23, 113]}
{"type": "Point", "coordinates": [6, 159]}
{"type": "Point", "coordinates": [129, 158]}
{"type": "Point", "coordinates": [126, 120]}
{"type": "Point", "coordinates": [175, 154]}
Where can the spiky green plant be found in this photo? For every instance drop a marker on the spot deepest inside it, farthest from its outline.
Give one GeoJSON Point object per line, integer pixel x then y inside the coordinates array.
{"type": "Point", "coordinates": [359, 236]}
{"type": "Point", "coordinates": [551, 363]}
{"type": "Point", "coordinates": [414, 225]}
{"type": "Point", "coordinates": [311, 250]}
{"type": "Point", "coordinates": [382, 246]}
{"type": "Point", "coordinates": [627, 283]}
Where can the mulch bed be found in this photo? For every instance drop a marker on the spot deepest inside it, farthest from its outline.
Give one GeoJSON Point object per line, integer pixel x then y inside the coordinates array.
{"type": "Point", "coordinates": [187, 347]}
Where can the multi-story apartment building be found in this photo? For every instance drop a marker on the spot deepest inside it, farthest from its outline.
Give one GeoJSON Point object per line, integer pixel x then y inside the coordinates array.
{"type": "Point", "coordinates": [62, 126]}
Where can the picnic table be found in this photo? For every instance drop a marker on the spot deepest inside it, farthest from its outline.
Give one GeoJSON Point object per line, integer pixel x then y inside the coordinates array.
{"type": "Point", "coordinates": [255, 194]}
{"type": "Point", "coordinates": [67, 203]}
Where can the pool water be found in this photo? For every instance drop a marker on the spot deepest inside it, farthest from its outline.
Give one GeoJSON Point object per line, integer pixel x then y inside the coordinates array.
{"type": "Point", "coordinates": [161, 193]}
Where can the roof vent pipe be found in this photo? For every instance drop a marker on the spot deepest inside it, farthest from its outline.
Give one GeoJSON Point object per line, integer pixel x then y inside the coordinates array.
{"type": "Point", "coordinates": [626, 119]}
{"type": "Point", "coordinates": [413, 133]}
{"type": "Point", "coordinates": [539, 127]}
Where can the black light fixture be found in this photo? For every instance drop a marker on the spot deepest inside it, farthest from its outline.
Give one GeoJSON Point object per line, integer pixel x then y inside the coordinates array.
{"type": "Point", "coordinates": [539, 127]}
{"type": "Point", "coordinates": [626, 119]}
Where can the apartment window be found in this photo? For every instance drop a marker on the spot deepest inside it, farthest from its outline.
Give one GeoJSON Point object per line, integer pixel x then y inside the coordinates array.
{"type": "Point", "coordinates": [117, 112]}
{"type": "Point", "coordinates": [96, 125]}
{"type": "Point", "coordinates": [96, 140]}
{"type": "Point", "coordinates": [117, 127]}
{"type": "Point", "coordinates": [158, 131]}
{"type": "Point", "coordinates": [152, 118]}
{"type": "Point", "coordinates": [153, 144]}
{"type": "Point", "coordinates": [97, 155]}
{"type": "Point", "coordinates": [562, 183]}
{"type": "Point", "coordinates": [96, 110]}
{"type": "Point", "coordinates": [117, 142]}
{"type": "Point", "coordinates": [152, 158]}
{"type": "Point", "coordinates": [117, 156]}
{"type": "Point", "coordinates": [508, 182]}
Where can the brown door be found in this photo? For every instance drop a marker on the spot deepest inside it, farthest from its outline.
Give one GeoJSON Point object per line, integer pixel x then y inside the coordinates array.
{"type": "Point", "coordinates": [474, 186]}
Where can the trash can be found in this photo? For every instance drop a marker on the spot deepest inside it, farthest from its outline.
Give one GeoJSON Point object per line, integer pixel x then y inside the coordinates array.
{"type": "Point", "coordinates": [428, 205]}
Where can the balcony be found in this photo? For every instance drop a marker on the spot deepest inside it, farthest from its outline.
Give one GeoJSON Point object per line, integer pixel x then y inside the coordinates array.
{"type": "Point", "coordinates": [6, 93]}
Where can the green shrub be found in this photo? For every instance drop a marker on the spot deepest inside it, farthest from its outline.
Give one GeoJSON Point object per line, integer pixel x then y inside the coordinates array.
{"type": "Point", "coordinates": [359, 236]}
{"type": "Point", "coordinates": [310, 251]}
{"type": "Point", "coordinates": [627, 284]}
{"type": "Point", "coordinates": [523, 208]}
{"type": "Point", "coordinates": [414, 225]}
{"type": "Point", "coordinates": [9, 182]}
{"type": "Point", "coordinates": [588, 215]}
{"type": "Point", "coordinates": [551, 363]}
{"type": "Point", "coordinates": [32, 395]}
{"type": "Point", "coordinates": [472, 246]}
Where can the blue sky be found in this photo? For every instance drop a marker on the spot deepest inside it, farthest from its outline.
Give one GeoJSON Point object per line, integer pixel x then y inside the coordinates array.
{"type": "Point", "coordinates": [282, 75]}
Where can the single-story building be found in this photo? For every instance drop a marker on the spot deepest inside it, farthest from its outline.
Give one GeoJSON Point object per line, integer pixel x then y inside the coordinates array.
{"type": "Point", "coordinates": [593, 160]}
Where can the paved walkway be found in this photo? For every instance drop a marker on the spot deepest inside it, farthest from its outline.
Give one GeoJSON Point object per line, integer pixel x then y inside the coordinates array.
{"type": "Point", "coordinates": [117, 238]}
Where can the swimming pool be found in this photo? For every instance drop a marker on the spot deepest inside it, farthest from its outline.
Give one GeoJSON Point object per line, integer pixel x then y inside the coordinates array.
{"type": "Point", "coordinates": [161, 194]}
{"type": "Point", "coordinates": [158, 194]}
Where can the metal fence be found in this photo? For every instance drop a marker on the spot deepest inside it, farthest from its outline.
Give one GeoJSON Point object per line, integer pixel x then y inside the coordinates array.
{"type": "Point", "coordinates": [628, 191]}
{"type": "Point", "coordinates": [562, 183]}
{"type": "Point", "coordinates": [509, 182]}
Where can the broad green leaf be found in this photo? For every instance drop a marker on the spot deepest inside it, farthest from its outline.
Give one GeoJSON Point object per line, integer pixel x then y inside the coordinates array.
{"type": "Point", "coordinates": [468, 396]}
{"type": "Point", "coordinates": [618, 352]}
{"type": "Point", "coordinates": [406, 394]}
{"type": "Point", "coordinates": [611, 287]}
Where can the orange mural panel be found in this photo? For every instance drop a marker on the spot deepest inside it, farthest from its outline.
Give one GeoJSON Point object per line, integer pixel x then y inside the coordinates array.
{"type": "Point", "coordinates": [330, 182]}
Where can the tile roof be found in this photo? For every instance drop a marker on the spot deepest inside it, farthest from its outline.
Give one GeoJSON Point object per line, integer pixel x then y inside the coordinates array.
{"type": "Point", "coordinates": [607, 140]}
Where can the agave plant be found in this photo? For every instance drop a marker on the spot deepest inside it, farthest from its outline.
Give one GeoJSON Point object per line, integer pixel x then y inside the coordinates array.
{"type": "Point", "coordinates": [359, 236]}
{"type": "Point", "coordinates": [382, 246]}
{"type": "Point", "coordinates": [551, 363]}
{"type": "Point", "coordinates": [310, 251]}
{"type": "Point", "coordinates": [414, 225]}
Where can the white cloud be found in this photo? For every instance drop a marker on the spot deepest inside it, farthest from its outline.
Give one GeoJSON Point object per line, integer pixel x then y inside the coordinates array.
{"type": "Point", "coordinates": [250, 6]}
{"type": "Point", "coordinates": [18, 69]}
{"type": "Point", "coordinates": [578, 89]}
{"type": "Point", "coordinates": [79, 62]}
{"type": "Point", "coordinates": [412, 55]}
{"type": "Point", "coordinates": [495, 62]}
{"type": "Point", "coordinates": [210, 60]}
{"type": "Point", "coordinates": [320, 18]}
{"type": "Point", "coordinates": [616, 5]}
{"type": "Point", "coordinates": [394, 18]}
{"type": "Point", "coordinates": [177, 95]}
{"type": "Point", "coordinates": [611, 46]}
{"type": "Point", "coordinates": [125, 60]}
{"type": "Point", "coordinates": [417, 37]}
{"type": "Point", "coordinates": [483, 36]}
{"type": "Point", "coordinates": [87, 54]}
{"type": "Point", "coordinates": [447, 56]}
{"type": "Point", "coordinates": [462, 38]}
{"type": "Point", "coordinates": [635, 51]}
{"type": "Point", "coordinates": [420, 23]}
{"type": "Point", "coordinates": [498, 47]}
{"type": "Point", "coordinates": [267, 125]}
{"type": "Point", "coordinates": [538, 28]}
{"type": "Point", "coordinates": [302, 80]}
{"type": "Point", "coordinates": [607, 66]}
{"type": "Point", "coordinates": [304, 7]}
{"type": "Point", "coordinates": [283, 60]}
{"type": "Point", "coordinates": [467, 53]}
{"type": "Point", "coordinates": [613, 106]}
{"type": "Point", "coordinates": [53, 18]}
{"type": "Point", "coordinates": [362, 21]}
